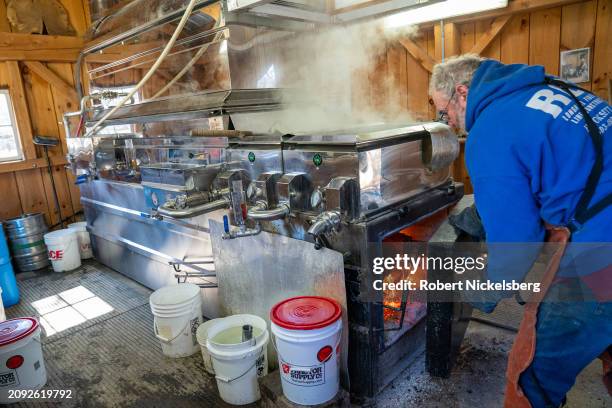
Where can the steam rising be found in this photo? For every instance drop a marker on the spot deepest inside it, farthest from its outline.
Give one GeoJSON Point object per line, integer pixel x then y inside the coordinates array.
{"type": "Point", "coordinates": [329, 70]}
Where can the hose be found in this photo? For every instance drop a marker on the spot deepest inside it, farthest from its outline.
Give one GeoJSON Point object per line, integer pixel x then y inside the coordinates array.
{"type": "Point", "coordinates": [187, 67]}
{"type": "Point", "coordinates": [163, 55]}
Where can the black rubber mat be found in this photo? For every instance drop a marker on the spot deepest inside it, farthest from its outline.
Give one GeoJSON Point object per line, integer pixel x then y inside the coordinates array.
{"type": "Point", "coordinates": [112, 360]}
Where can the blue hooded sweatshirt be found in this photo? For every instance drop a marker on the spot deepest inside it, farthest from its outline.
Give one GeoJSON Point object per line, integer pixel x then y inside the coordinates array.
{"type": "Point", "coordinates": [528, 155]}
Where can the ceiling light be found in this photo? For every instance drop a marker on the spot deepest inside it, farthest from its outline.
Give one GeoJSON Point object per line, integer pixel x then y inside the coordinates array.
{"type": "Point", "coordinates": [440, 11]}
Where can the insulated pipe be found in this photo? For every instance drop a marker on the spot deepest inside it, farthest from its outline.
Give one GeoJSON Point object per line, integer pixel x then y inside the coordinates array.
{"type": "Point", "coordinates": [193, 211]}
{"type": "Point", "coordinates": [261, 213]}
{"type": "Point", "coordinates": [149, 74]}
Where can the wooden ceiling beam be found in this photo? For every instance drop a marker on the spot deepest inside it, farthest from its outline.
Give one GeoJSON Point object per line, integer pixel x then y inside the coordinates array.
{"type": "Point", "coordinates": [35, 47]}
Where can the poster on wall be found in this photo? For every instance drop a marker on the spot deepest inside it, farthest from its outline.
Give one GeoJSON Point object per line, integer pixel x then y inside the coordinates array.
{"type": "Point", "coordinates": [575, 65]}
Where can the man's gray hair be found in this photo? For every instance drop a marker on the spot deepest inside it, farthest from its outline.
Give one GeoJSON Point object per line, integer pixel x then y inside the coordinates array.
{"type": "Point", "coordinates": [452, 72]}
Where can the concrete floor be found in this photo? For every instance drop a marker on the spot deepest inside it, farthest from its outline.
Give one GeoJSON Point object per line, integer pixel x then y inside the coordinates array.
{"type": "Point", "coordinates": [99, 342]}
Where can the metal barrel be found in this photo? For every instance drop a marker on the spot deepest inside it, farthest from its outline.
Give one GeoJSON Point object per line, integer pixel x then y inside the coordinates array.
{"type": "Point", "coordinates": [26, 239]}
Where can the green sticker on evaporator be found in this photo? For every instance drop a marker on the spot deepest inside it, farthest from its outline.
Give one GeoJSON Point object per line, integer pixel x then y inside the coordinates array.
{"type": "Point", "coordinates": [317, 159]}
{"type": "Point", "coordinates": [251, 157]}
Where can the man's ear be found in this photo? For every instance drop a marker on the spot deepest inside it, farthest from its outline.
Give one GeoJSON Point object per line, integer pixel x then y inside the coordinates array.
{"type": "Point", "coordinates": [462, 91]}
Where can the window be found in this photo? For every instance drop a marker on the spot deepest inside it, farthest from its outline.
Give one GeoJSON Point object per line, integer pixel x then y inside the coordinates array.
{"type": "Point", "coordinates": [10, 148]}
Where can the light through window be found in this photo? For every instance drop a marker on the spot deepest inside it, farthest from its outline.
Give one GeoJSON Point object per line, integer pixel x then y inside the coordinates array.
{"type": "Point", "coordinates": [10, 148]}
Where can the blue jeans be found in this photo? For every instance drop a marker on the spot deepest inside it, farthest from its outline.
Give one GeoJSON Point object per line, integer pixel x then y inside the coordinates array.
{"type": "Point", "coordinates": [569, 336]}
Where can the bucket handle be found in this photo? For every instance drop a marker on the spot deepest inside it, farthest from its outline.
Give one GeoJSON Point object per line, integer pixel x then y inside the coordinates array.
{"type": "Point", "coordinates": [273, 341]}
{"type": "Point", "coordinates": [226, 380]}
{"type": "Point", "coordinates": [165, 340]}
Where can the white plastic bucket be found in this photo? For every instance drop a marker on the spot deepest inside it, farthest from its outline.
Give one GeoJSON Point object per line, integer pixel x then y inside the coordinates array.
{"type": "Point", "coordinates": [83, 239]}
{"type": "Point", "coordinates": [63, 249]}
{"type": "Point", "coordinates": [308, 358]}
{"type": "Point", "coordinates": [238, 364]}
{"type": "Point", "coordinates": [177, 312]}
{"type": "Point", "coordinates": [21, 358]}
{"type": "Point", "coordinates": [201, 336]}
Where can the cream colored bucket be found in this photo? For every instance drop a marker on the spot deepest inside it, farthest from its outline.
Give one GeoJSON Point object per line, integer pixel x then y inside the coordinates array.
{"type": "Point", "coordinates": [177, 312]}
{"type": "Point", "coordinates": [238, 364]}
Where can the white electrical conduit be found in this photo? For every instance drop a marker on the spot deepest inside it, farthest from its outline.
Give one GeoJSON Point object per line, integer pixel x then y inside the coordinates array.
{"type": "Point", "coordinates": [163, 55]}
{"type": "Point", "coordinates": [187, 67]}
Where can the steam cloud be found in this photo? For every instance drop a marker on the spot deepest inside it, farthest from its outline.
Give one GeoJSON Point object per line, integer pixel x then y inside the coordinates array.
{"type": "Point", "coordinates": [329, 71]}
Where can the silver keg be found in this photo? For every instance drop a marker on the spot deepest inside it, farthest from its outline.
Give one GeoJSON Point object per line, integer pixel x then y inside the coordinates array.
{"type": "Point", "coordinates": [26, 239]}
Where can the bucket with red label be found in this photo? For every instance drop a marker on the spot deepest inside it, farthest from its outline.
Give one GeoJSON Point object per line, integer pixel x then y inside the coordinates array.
{"type": "Point", "coordinates": [63, 247]}
{"type": "Point", "coordinates": [21, 359]}
{"type": "Point", "coordinates": [307, 331]}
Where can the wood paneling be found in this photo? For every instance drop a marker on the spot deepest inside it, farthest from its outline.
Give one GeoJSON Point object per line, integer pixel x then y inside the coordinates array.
{"type": "Point", "coordinates": [5, 26]}
{"type": "Point", "coordinates": [417, 79]}
{"type": "Point", "coordinates": [11, 204]}
{"type": "Point", "coordinates": [41, 92]}
{"type": "Point", "coordinates": [602, 55]}
{"type": "Point", "coordinates": [528, 32]}
{"type": "Point", "coordinates": [515, 40]}
{"type": "Point", "coordinates": [493, 50]}
{"type": "Point", "coordinates": [544, 39]}
{"type": "Point", "coordinates": [32, 192]}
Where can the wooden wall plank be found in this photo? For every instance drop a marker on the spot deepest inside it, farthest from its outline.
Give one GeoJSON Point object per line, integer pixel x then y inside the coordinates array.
{"type": "Point", "coordinates": [20, 106]}
{"type": "Point", "coordinates": [32, 192]}
{"type": "Point", "coordinates": [437, 44]}
{"type": "Point", "coordinates": [378, 80]}
{"type": "Point", "coordinates": [515, 40]}
{"type": "Point", "coordinates": [452, 40]}
{"type": "Point", "coordinates": [602, 52]}
{"type": "Point", "coordinates": [467, 37]}
{"type": "Point", "coordinates": [397, 89]}
{"type": "Point", "coordinates": [418, 53]}
{"type": "Point", "coordinates": [63, 193]}
{"type": "Point", "coordinates": [64, 103]}
{"type": "Point", "coordinates": [11, 204]}
{"type": "Point", "coordinates": [578, 28]}
{"type": "Point", "coordinates": [51, 78]}
{"type": "Point", "coordinates": [545, 39]}
{"type": "Point", "coordinates": [493, 50]}
{"type": "Point", "coordinates": [40, 102]}
{"type": "Point", "coordinates": [483, 41]}
{"type": "Point", "coordinates": [431, 50]}
{"type": "Point", "coordinates": [417, 80]}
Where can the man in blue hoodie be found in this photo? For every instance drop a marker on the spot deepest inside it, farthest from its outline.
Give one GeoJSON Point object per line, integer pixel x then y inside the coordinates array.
{"type": "Point", "coordinates": [530, 155]}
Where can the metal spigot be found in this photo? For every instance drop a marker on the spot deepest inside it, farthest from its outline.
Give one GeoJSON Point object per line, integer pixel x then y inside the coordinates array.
{"type": "Point", "coordinates": [240, 232]}
{"type": "Point", "coordinates": [325, 222]}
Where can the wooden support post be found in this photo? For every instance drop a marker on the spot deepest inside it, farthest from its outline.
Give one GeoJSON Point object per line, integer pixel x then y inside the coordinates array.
{"type": "Point", "coordinates": [452, 40]}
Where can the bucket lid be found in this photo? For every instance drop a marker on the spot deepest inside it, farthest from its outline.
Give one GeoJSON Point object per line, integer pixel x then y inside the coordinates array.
{"type": "Point", "coordinates": [174, 295]}
{"type": "Point", "coordinates": [79, 226]}
{"type": "Point", "coordinates": [305, 313]}
{"type": "Point", "coordinates": [60, 235]}
{"type": "Point", "coordinates": [16, 329]}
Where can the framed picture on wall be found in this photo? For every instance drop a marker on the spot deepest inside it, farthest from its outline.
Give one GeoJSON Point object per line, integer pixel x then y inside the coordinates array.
{"type": "Point", "coordinates": [575, 65]}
